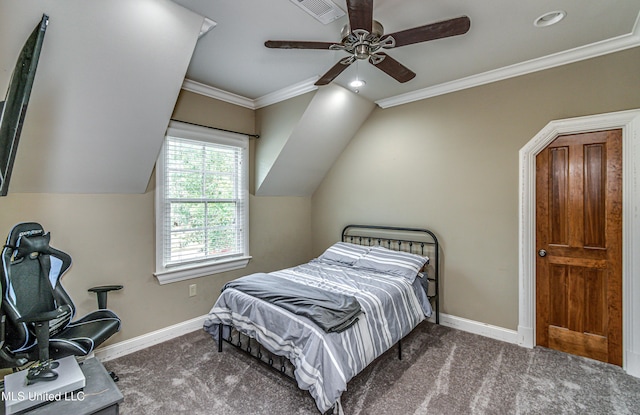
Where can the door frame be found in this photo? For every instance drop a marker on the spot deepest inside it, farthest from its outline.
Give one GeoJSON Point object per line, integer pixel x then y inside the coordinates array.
{"type": "Point", "coordinates": [629, 122]}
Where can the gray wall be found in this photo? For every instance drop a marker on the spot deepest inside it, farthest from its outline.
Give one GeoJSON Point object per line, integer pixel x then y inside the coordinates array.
{"type": "Point", "coordinates": [450, 163]}
{"type": "Point", "coordinates": [111, 237]}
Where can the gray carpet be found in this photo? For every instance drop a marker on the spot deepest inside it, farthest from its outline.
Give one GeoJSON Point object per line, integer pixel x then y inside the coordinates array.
{"type": "Point", "coordinates": [443, 371]}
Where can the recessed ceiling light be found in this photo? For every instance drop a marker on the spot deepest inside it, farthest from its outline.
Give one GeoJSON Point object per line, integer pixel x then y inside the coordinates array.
{"type": "Point", "coordinates": [357, 83]}
{"type": "Point", "coordinates": [550, 18]}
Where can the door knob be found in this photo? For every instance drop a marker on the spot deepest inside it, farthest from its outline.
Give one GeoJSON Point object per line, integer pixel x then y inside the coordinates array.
{"type": "Point", "coordinates": [542, 252]}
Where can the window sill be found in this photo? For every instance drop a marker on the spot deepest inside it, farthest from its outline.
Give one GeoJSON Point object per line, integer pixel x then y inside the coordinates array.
{"type": "Point", "coordinates": [176, 274]}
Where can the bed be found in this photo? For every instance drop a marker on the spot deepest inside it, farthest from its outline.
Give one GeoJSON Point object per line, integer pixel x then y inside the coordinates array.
{"type": "Point", "coordinates": [322, 322]}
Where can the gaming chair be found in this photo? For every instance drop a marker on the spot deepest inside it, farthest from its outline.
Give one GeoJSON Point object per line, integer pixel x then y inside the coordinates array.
{"type": "Point", "coordinates": [36, 308]}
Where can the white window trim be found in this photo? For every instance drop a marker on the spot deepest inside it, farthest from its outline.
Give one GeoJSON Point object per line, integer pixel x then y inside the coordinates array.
{"type": "Point", "coordinates": [171, 274]}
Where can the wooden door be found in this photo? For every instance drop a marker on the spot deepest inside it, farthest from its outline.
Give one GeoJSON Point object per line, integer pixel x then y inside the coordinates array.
{"type": "Point", "coordinates": [579, 245]}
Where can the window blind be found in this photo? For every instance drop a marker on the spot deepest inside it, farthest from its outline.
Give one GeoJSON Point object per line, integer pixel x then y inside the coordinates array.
{"type": "Point", "coordinates": [204, 201]}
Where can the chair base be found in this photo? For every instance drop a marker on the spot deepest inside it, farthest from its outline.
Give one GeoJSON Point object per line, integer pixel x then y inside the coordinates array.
{"type": "Point", "coordinates": [114, 377]}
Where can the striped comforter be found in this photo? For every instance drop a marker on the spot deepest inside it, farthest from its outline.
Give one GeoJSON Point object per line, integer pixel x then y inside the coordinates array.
{"type": "Point", "coordinates": [325, 362]}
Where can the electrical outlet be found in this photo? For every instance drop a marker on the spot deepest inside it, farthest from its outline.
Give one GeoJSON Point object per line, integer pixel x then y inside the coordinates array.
{"type": "Point", "coordinates": [192, 290]}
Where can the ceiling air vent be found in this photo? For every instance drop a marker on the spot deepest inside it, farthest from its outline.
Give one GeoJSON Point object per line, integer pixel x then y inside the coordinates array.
{"type": "Point", "coordinates": [325, 11]}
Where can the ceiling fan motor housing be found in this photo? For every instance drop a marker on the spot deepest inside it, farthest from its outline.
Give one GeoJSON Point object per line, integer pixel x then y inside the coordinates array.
{"type": "Point", "coordinates": [377, 30]}
{"type": "Point", "coordinates": [362, 44]}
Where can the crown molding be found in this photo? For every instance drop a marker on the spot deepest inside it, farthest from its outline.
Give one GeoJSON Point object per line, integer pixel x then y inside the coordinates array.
{"type": "Point", "coordinates": [294, 90]}
{"type": "Point", "coordinates": [219, 94]}
{"type": "Point", "coordinates": [271, 98]}
{"type": "Point", "coordinates": [592, 50]}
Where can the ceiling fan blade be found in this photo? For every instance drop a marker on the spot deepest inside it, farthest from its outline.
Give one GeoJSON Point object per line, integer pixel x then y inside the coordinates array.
{"type": "Point", "coordinates": [332, 74]}
{"type": "Point", "coordinates": [392, 67]}
{"type": "Point", "coordinates": [439, 30]}
{"type": "Point", "coordinates": [360, 14]}
{"type": "Point", "coordinates": [293, 44]}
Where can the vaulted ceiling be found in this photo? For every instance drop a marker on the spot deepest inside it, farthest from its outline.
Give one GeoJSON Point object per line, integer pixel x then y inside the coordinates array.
{"type": "Point", "coordinates": [502, 42]}
{"type": "Point", "coordinates": [110, 72]}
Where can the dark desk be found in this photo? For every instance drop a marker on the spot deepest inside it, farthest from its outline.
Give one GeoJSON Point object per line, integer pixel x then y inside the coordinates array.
{"type": "Point", "coordinates": [100, 396]}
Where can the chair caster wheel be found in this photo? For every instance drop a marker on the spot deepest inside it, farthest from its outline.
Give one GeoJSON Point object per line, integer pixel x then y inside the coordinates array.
{"type": "Point", "coordinates": [114, 376]}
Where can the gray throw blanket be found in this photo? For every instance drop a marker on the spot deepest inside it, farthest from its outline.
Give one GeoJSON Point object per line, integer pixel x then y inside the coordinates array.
{"type": "Point", "coordinates": [333, 312]}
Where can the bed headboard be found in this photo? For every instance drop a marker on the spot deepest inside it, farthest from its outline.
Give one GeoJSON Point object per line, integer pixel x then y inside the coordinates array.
{"type": "Point", "coordinates": [415, 240]}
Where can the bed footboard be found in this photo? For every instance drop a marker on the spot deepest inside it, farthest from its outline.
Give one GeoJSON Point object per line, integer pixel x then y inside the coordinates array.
{"type": "Point", "coordinates": [251, 347]}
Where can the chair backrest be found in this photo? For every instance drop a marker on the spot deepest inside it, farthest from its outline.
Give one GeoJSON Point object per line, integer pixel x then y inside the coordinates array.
{"type": "Point", "coordinates": [31, 271]}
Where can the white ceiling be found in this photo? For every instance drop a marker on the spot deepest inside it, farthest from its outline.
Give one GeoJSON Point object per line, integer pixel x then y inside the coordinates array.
{"type": "Point", "coordinates": [502, 42]}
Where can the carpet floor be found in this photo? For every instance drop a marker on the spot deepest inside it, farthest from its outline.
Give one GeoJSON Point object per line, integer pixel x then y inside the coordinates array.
{"type": "Point", "coordinates": [443, 371]}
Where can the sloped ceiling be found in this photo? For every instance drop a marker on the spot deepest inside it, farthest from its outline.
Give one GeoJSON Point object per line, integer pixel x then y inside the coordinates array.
{"type": "Point", "coordinates": [108, 78]}
{"type": "Point", "coordinates": [293, 159]}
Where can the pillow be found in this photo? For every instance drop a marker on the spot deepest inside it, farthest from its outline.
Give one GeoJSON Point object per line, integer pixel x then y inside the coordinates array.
{"type": "Point", "coordinates": [343, 252]}
{"type": "Point", "coordinates": [402, 264]}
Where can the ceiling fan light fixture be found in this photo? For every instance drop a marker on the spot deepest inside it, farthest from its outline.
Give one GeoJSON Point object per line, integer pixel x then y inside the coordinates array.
{"type": "Point", "coordinates": [550, 18]}
{"type": "Point", "coordinates": [357, 83]}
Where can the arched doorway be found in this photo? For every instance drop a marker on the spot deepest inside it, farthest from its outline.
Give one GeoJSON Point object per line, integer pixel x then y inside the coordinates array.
{"type": "Point", "coordinates": [629, 122]}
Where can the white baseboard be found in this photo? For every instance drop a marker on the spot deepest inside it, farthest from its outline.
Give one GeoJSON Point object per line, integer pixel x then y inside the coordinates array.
{"type": "Point", "coordinates": [632, 364]}
{"type": "Point", "coordinates": [476, 327]}
{"type": "Point", "coordinates": [522, 337]}
{"type": "Point", "coordinates": [123, 348]}
{"type": "Point", "coordinates": [525, 337]}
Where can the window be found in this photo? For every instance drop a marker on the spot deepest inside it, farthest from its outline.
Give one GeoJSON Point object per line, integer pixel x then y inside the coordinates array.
{"type": "Point", "coordinates": [201, 203]}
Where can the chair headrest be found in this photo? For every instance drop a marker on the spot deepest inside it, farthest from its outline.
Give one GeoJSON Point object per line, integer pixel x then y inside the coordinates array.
{"type": "Point", "coordinates": [28, 245]}
{"type": "Point", "coordinates": [27, 238]}
{"type": "Point", "coordinates": [24, 229]}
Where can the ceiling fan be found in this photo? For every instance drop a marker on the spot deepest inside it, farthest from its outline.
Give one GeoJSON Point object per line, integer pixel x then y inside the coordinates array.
{"type": "Point", "coordinates": [363, 38]}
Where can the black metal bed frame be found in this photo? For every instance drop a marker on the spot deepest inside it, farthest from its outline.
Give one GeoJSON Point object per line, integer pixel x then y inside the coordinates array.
{"type": "Point", "coordinates": [424, 242]}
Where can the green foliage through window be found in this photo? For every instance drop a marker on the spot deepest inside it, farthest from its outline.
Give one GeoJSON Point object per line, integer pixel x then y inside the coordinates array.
{"type": "Point", "coordinates": [203, 196]}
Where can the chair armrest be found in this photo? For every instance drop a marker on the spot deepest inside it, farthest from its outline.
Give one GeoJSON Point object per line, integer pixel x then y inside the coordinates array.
{"type": "Point", "coordinates": [105, 288]}
{"type": "Point", "coordinates": [101, 291]}
{"type": "Point", "coordinates": [42, 317]}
